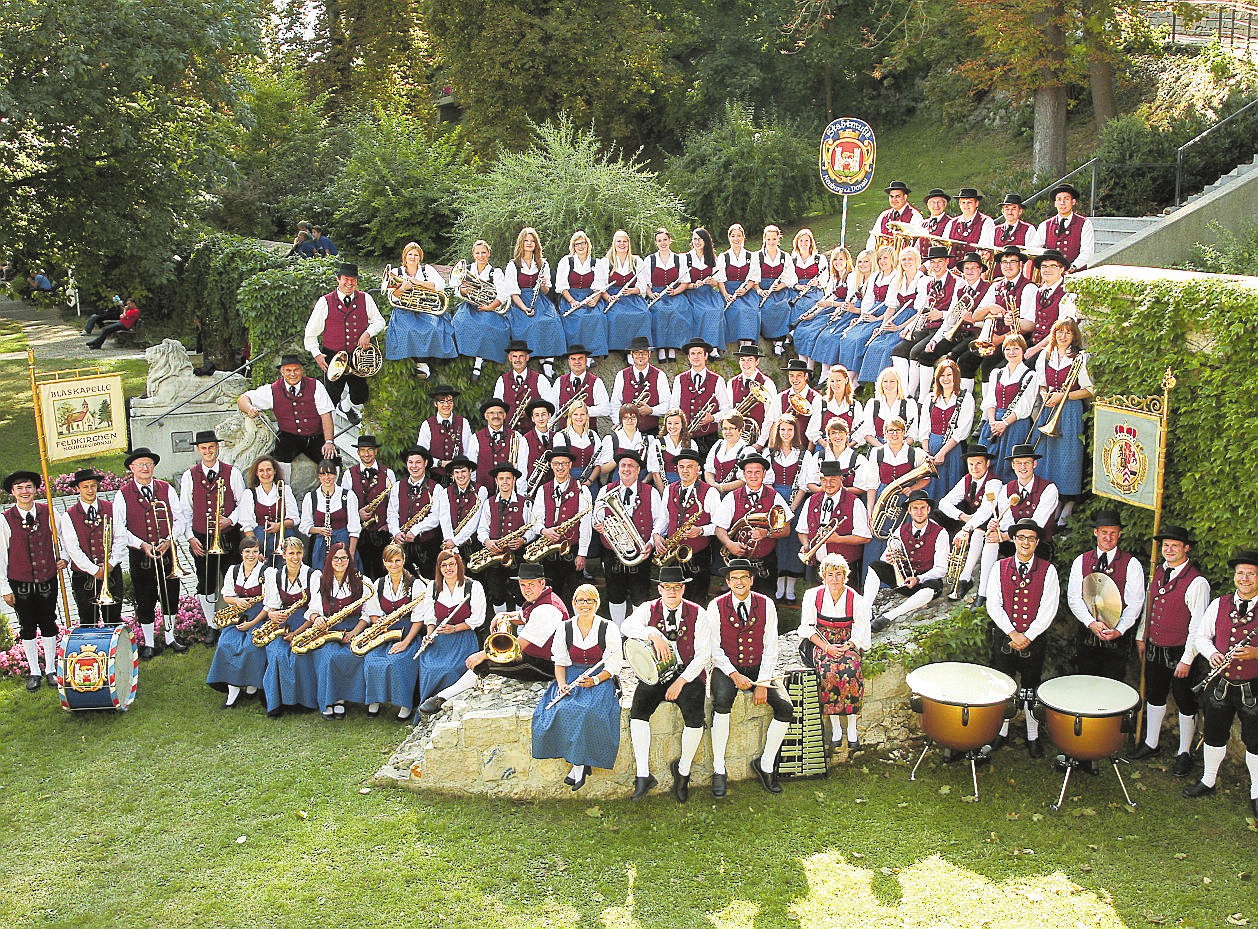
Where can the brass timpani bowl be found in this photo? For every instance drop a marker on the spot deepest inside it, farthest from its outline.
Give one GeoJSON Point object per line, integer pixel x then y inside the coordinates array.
{"type": "Point", "coordinates": [963, 705]}
{"type": "Point", "coordinates": [1087, 717]}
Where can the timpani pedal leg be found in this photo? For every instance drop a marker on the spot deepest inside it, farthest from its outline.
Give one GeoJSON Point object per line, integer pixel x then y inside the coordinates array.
{"type": "Point", "coordinates": [1123, 784]}
{"type": "Point", "coordinates": [974, 773]}
{"type": "Point", "coordinates": [913, 773]}
{"type": "Point", "coordinates": [1070, 766]}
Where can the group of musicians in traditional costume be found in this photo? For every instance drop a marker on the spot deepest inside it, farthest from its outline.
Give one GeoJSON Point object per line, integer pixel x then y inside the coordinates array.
{"type": "Point", "coordinates": [404, 588]}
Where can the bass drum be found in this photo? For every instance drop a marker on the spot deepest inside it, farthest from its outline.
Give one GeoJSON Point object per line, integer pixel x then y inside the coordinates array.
{"type": "Point", "coordinates": [1087, 716]}
{"type": "Point", "coordinates": [98, 668]}
{"type": "Point", "coordinates": [650, 669]}
{"type": "Point", "coordinates": [963, 705]}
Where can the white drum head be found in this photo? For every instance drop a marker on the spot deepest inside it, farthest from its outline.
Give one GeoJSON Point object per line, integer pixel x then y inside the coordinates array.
{"type": "Point", "coordinates": [1087, 695]}
{"type": "Point", "coordinates": [961, 683]}
{"type": "Point", "coordinates": [124, 667]}
{"type": "Point", "coordinates": [640, 656]}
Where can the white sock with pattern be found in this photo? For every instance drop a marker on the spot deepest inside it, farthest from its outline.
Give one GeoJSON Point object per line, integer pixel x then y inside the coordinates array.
{"type": "Point", "coordinates": [31, 648]}
{"type": "Point", "coordinates": [772, 743]}
{"type": "Point", "coordinates": [168, 627]}
{"type": "Point", "coordinates": [50, 653]}
{"type": "Point", "coordinates": [148, 630]}
{"type": "Point", "coordinates": [1251, 762]}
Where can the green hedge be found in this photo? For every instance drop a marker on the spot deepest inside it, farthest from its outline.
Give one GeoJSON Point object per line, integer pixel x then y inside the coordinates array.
{"type": "Point", "coordinates": [208, 289]}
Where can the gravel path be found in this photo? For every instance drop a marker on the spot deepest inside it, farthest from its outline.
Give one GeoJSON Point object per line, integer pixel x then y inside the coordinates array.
{"type": "Point", "coordinates": [53, 340]}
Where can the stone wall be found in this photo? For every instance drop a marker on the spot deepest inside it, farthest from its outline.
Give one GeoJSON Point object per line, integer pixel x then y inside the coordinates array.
{"type": "Point", "coordinates": [481, 741]}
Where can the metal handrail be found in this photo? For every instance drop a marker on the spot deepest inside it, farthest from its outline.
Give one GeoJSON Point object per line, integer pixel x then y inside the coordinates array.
{"type": "Point", "coordinates": [1179, 152]}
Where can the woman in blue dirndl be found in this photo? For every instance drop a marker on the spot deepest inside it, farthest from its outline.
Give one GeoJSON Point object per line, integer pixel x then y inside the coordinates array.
{"type": "Point", "coordinates": [330, 514]}
{"type": "Point", "coordinates": [617, 279]}
{"type": "Point", "coordinates": [238, 663]}
{"type": "Point", "coordinates": [289, 678]}
{"type": "Point", "coordinates": [777, 277]}
{"type": "Point", "coordinates": [792, 464]}
{"type": "Point", "coordinates": [810, 276]}
{"type": "Point", "coordinates": [335, 605]}
{"type": "Point", "coordinates": [707, 306]}
{"type": "Point", "coordinates": [271, 497]}
{"type": "Point", "coordinates": [532, 316]}
{"type": "Point", "coordinates": [831, 294]}
{"type": "Point", "coordinates": [1008, 398]}
{"type": "Point", "coordinates": [1063, 453]}
{"type": "Point", "coordinates": [584, 322]}
{"type": "Point", "coordinates": [738, 273]}
{"type": "Point", "coordinates": [875, 301]}
{"type": "Point", "coordinates": [664, 279]}
{"type": "Point", "coordinates": [825, 349]}
{"type": "Point", "coordinates": [480, 330]}
{"type": "Point", "coordinates": [390, 669]}
{"type": "Point", "coordinates": [943, 426]}
{"type": "Point", "coordinates": [887, 337]}
{"type": "Point", "coordinates": [583, 727]}
{"type": "Point", "coordinates": [413, 333]}
{"type": "Point", "coordinates": [452, 615]}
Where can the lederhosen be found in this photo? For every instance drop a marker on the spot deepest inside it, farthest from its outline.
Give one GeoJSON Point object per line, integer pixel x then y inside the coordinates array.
{"type": "Point", "coordinates": [971, 497]}
{"type": "Point", "coordinates": [342, 329]}
{"type": "Point", "coordinates": [504, 516]}
{"type": "Point", "coordinates": [84, 587]}
{"type": "Point", "coordinates": [1021, 598]}
{"type": "Point", "coordinates": [1234, 692]}
{"type": "Point", "coordinates": [373, 535]}
{"type": "Point", "coordinates": [561, 569]}
{"type": "Point", "coordinates": [633, 384]}
{"type": "Point", "coordinates": [299, 422]}
{"type": "Point", "coordinates": [1166, 635]}
{"type": "Point", "coordinates": [1097, 656]}
{"type": "Point", "coordinates": [921, 552]}
{"type": "Point", "coordinates": [699, 568]}
{"type": "Point", "coordinates": [692, 401]}
{"type": "Point", "coordinates": [681, 636]}
{"type": "Point", "coordinates": [536, 662]}
{"type": "Point", "coordinates": [743, 645]}
{"type": "Point", "coordinates": [626, 583]}
{"type": "Point", "coordinates": [762, 555]}
{"type": "Point", "coordinates": [840, 684]}
{"type": "Point", "coordinates": [33, 572]}
{"type": "Point", "coordinates": [210, 568]}
{"type": "Point", "coordinates": [421, 553]}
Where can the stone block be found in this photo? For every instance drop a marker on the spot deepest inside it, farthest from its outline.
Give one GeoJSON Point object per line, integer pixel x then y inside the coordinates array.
{"type": "Point", "coordinates": [506, 763]}
{"type": "Point", "coordinates": [483, 729]}
{"type": "Point", "coordinates": [445, 735]}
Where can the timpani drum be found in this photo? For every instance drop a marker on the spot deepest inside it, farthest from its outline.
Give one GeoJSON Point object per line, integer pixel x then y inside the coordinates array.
{"type": "Point", "coordinates": [963, 705]}
{"type": "Point", "coordinates": [1087, 716]}
{"type": "Point", "coordinates": [98, 668]}
{"type": "Point", "coordinates": [650, 668]}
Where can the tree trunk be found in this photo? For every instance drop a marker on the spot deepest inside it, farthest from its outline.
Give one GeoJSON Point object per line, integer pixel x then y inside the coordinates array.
{"type": "Point", "coordinates": [1048, 148]}
{"type": "Point", "coordinates": [1101, 78]}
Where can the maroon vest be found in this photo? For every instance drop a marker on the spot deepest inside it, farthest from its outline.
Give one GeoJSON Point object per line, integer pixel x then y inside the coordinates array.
{"type": "Point", "coordinates": [492, 453]}
{"type": "Point", "coordinates": [836, 622]}
{"type": "Point", "coordinates": [630, 387]}
{"type": "Point", "coordinates": [411, 499]}
{"type": "Point", "coordinates": [344, 327]}
{"type": "Point", "coordinates": [967, 232]}
{"type": "Point", "coordinates": [663, 277]}
{"type": "Point", "coordinates": [388, 604]}
{"type": "Point", "coordinates": [205, 497]}
{"type": "Point", "coordinates": [445, 442]}
{"type": "Point", "coordinates": [843, 515]}
{"type": "Point", "coordinates": [569, 502]}
{"type": "Point", "coordinates": [578, 280]}
{"type": "Point", "coordinates": [941, 418]}
{"type": "Point", "coordinates": [687, 625]}
{"type": "Point", "coordinates": [582, 455]}
{"type": "Point", "coordinates": [1169, 616]}
{"type": "Point", "coordinates": [91, 536]}
{"type": "Point", "coordinates": [642, 513]}
{"type": "Point", "coordinates": [1228, 630]}
{"type": "Point", "coordinates": [339, 519]}
{"type": "Point", "coordinates": [269, 512]}
{"type": "Point", "coordinates": [547, 597]}
{"type": "Point", "coordinates": [141, 520]}
{"type": "Point", "coordinates": [742, 506]}
{"type": "Point", "coordinates": [784, 474]}
{"type": "Point", "coordinates": [1011, 235]}
{"type": "Point", "coordinates": [1025, 508]}
{"type": "Point", "coordinates": [677, 514]}
{"type": "Point", "coordinates": [769, 273]}
{"type": "Point", "coordinates": [1007, 392]}
{"type": "Point", "coordinates": [939, 293]}
{"type": "Point", "coordinates": [723, 468]}
{"type": "Point", "coordinates": [367, 492]}
{"type": "Point", "coordinates": [1008, 296]}
{"type": "Point", "coordinates": [848, 416]}
{"type": "Point", "coordinates": [567, 392]}
{"type": "Point", "coordinates": [251, 591]}
{"type": "Point", "coordinates": [1022, 596]}
{"type": "Point", "coordinates": [906, 216]}
{"type": "Point", "coordinates": [504, 519]}
{"type": "Point", "coordinates": [743, 645]}
{"type": "Point", "coordinates": [921, 551]}
{"type": "Point", "coordinates": [537, 445]}
{"type": "Point", "coordinates": [1068, 242]}
{"type": "Point", "coordinates": [1047, 311]}
{"type": "Point", "coordinates": [736, 274]}
{"type": "Point", "coordinates": [805, 273]}
{"type": "Point", "coordinates": [526, 280]}
{"type": "Point", "coordinates": [693, 400]}
{"type": "Point", "coordinates": [977, 294]}
{"type": "Point", "coordinates": [888, 472]}
{"type": "Point", "coordinates": [296, 415]}
{"type": "Point", "coordinates": [934, 225]}
{"type": "Point", "coordinates": [460, 506]}
{"type": "Point", "coordinates": [32, 558]}
{"type": "Point", "coordinates": [1055, 378]}
{"type": "Point", "coordinates": [513, 393]}
{"type": "Point", "coordinates": [333, 604]}
{"type": "Point", "coordinates": [739, 391]}
{"type": "Point", "coordinates": [592, 655]}
{"type": "Point", "coordinates": [459, 613]}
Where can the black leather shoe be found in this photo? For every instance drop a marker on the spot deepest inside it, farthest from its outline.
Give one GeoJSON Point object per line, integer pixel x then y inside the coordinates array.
{"type": "Point", "coordinates": [146, 653]}
{"type": "Point", "coordinates": [720, 785]}
{"type": "Point", "coordinates": [274, 714]}
{"type": "Point", "coordinates": [580, 781]}
{"type": "Point", "coordinates": [34, 682]}
{"type": "Point", "coordinates": [1183, 765]}
{"type": "Point", "coordinates": [642, 786]}
{"type": "Point", "coordinates": [1142, 751]}
{"type": "Point", "coordinates": [50, 679]}
{"type": "Point", "coordinates": [963, 588]}
{"type": "Point", "coordinates": [1192, 791]}
{"type": "Point", "coordinates": [768, 779]}
{"type": "Point", "coordinates": [432, 706]}
{"type": "Point", "coordinates": [211, 637]}
{"type": "Point", "coordinates": [1253, 805]}
{"type": "Point", "coordinates": [980, 601]}
{"type": "Point", "coordinates": [880, 623]}
{"type": "Point", "coordinates": [997, 743]}
{"type": "Point", "coordinates": [1035, 748]}
{"type": "Point", "coordinates": [681, 783]}
{"type": "Point", "coordinates": [569, 780]}
{"type": "Point", "coordinates": [177, 647]}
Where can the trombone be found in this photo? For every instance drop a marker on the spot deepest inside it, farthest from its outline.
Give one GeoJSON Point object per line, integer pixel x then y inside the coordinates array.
{"type": "Point", "coordinates": [176, 572]}
{"type": "Point", "coordinates": [105, 598]}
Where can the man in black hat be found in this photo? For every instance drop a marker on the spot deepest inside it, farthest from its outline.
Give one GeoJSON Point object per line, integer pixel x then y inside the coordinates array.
{"type": "Point", "coordinates": [700, 393]}
{"type": "Point", "coordinates": [1227, 637]}
{"type": "Point", "coordinates": [413, 518]}
{"type": "Point", "coordinates": [628, 575]}
{"type": "Point", "coordinates": [743, 394]}
{"type": "Point", "coordinates": [563, 506]}
{"type": "Point", "coordinates": [446, 434]}
{"type": "Point", "coordinates": [341, 321]}
{"type": "Point", "coordinates": [935, 293]}
{"type": "Point", "coordinates": [303, 412]}
{"type": "Point", "coordinates": [968, 507]}
{"type": "Point", "coordinates": [533, 457]}
{"type": "Point", "coordinates": [1027, 496]}
{"type": "Point", "coordinates": [798, 398]}
{"type": "Point", "coordinates": [1104, 650]}
{"type": "Point", "coordinates": [835, 507]}
{"type": "Point", "coordinates": [936, 221]}
{"type": "Point", "coordinates": [507, 512]}
{"type": "Point", "coordinates": [1014, 231]}
{"type": "Point", "coordinates": [671, 625]}
{"type": "Point", "coordinates": [581, 382]}
{"type": "Point", "coordinates": [741, 627]}
{"type": "Point", "coordinates": [1178, 591]}
{"type": "Point", "coordinates": [976, 229]}
{"type": "Point", "coordinates": [1022, 599]}
{"type": "Point", "coordinates": [29, 565]}
{"type": "Point", "coordinates": [644, 385]}
{"type": "Point", "coordinates": [534, 626]}
{"type": "Point", "coordinates": [518, 386]}
{"type": "Point", "coordinates": [1068, 232]}
{"type": "Point", "coordinates": [745, 523]}
{"type": "Point", "coordinates": [461, 507]}
{"type": "Point", "coordinates": [691, 500]}
{"type": "Point", "coordinates": [1051, 300]}
{"type": "Point", "coordinates": [82, 529]}
{"type": "Point", "coordinates": [199, 495]}
{"type": "Point", "coordinates": [370, 484]}
{"type": "Point", "coordinates": [970, 291]}
{"type": "Point", "coordinates": [149, 517]}
{"type": "Point", "coordinates": [913, 568]}
{"type": "Point", "coordinates": [494, 444]}
{"type": "Point", "coordinates": [899, 210]}
{"type": "Point", "coordinates": [1011, 299]}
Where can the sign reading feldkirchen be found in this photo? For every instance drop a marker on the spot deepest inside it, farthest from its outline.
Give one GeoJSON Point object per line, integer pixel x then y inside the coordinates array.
{"type": "Point", "coordinates": [83, 416]}
{"type": "Point", "coordinates": [847, 156]}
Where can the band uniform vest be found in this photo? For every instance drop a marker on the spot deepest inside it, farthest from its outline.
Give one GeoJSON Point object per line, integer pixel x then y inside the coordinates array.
{"type": "Point", "coordinates": [32, 558]}
{"type": "Point", "coordinates": [1169, 616]}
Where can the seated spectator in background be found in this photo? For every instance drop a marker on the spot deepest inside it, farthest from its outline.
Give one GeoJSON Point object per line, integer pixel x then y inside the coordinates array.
{"type": "Point", "coordinates": [36, 281]}
{"type": "Point", "coordinates": [324, 247]}
{"type": "Point", "coordinates": [130, 316]}
{"type": "Point", "coordinates": [305, 245]}
{"type": "Point", "coordinates": [111, 315]}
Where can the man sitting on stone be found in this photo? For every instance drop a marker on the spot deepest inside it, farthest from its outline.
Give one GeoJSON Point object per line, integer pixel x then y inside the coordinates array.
{"type": "Point", "coordinates": [919, 550]}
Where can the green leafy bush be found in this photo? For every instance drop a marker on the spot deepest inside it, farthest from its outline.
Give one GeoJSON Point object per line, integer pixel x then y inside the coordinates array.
{"type": "Point", "coordinates": [741, 169]}
{"type": "Point", "coordinates": [275, 305]}
{"type": "Point", "coordinates": [1137, 165]}
{"type": "Point", "coordinates": [1229, 254]}
{"type": "Point", "coordinates": [208, 288]}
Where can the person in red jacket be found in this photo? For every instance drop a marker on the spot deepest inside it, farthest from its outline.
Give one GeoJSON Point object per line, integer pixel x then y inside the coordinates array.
{"type": "Point", "coordinates": [130, 316]}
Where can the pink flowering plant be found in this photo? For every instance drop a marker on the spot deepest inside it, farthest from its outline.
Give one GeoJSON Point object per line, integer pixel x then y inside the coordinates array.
{"type": "Point", "coordinates": [61, 486]}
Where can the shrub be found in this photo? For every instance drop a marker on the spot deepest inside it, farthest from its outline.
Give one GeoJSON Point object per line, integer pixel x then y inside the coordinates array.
{"type": "Point", "coordinates": [1230, 253]}
{"type": "Point", "coordinates": [1137, 165]}
{"type": "Point", "coordinates": [274, 305]}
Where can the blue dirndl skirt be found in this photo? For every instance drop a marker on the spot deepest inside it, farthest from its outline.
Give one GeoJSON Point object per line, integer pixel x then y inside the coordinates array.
{"type": "Point", "coordinates": [237, 661]}
{"type": "Point", "coordinates": [338, 675]}
{"type": "Point", "coordinates": [826, 348]}
{"type": "Point", "coordinates": [788, 548]}
{"type": "Point", "coordinates": [672, 322]}
{"type": "Point", "coordinates": [1063, 456]}
{"type": "Point", "coordinates": [1001, 445]}
{"type": "Point", "coordinates": [418, 335]}
{"type": "Point", "coordinates": [582, 728]}
{"type": "Point", "coordinates": [443, 662]}
{"type": "Point", "coordinates": [391, 678]}
{"type": "Point", "coordinates": [627, 318]}
{"type": "Point", "coordinates": [809, 330]}
{"type": "Point", "coordinates": [805, 301]}
{"type": "Point", "coordinates": [543, 331]}
{"type": "Point", "coordinates": [289, 678]}
{"type": "Point", "coordinates": [586, 326]}
{"type": "Point", "coordinates": [319, 549]}
{"type": "Point", "coordinates": [707, 309]}
{"type": "Point", "coordinates": [481, 334]}
{"type": "Point", "coordinates": [742, 319]}
{"type": "Point", "coordinates": [877, 356]}
{"type": "Point", "coordinates": [951, 471]}
{"type": "Point", "coordinates": [775, 315]}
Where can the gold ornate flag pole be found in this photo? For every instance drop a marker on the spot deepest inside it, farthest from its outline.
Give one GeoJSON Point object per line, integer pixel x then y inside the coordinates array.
{"type": "Point", "coordinates": [48, 489]}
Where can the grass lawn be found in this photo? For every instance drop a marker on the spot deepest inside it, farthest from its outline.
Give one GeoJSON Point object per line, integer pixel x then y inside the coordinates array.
{"type": "Point", "coordinates": [12, 338]}
{"type": "Point", "coordinates": [180, 814]}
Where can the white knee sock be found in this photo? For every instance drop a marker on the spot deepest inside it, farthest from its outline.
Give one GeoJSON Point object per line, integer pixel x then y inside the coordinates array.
{"type": "Point", "coordinates": [1153, 724]}
{"type": "Point", "coordinates": [618, 612]}
{"type": "Point", "coordinates": [720, 739]}
{"type": "Point", "coordinates": [251, 690]}
{"type": "Point", "coordinates": [286, 472]}
{"type": "Point", "coordinates": [233, 692]}
{"type": "Point", "coordinates": [207, 606]}
{"type": "Point", "coordinates": [31, 648]}
{"type": "Point", "coordinates": [50, 653]}
{"type": "Point", "coordinates": [1213, 759]}
{"type": "Point", "coordinates": [872, 584]}
{"type": "Point", "coordinates": [781, 586]}
{"type": "Point", "coordinates": [1187, 732]}
{"type": "Point", "coordinates": [990, 551]}
{"type": "Point", "coordinates": [1251, 762]}
{"type": "Point", "coordinates": [914, 601]}
{"type": "Point", "coordinates": [168, 627]}
{"type": "Point", "coordinates": [790, 587]}
{"type": "Point", "coordinates": [1032, 726]}
{"type": "Point", "coordinates": [1004, 728]}
{"type": "Point", "coordinates": [147, 629]}
{"type": "Point", "coordinates": [640, 735]}
{"type": "Point", "coordinates": [466, 682]}
{"type": "Point", "coordinates": [690, 739]}
{"type": "Point", "coordinates": [901, 366]}
{"type": "Point", "coordinates": [772, 743]}
{"type": "Point", "coordinates": [853, 733]}
{"type": "Point", "coordinates": [576, 772]}
{"type": "Point", "coordinates": [972, 557]}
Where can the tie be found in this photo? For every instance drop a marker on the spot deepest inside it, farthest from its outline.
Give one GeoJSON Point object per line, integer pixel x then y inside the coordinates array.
{"type": "Point", "coordinates": [211, 477]}
{"type": "Point", "coordinates": [1102, 563]}
{"type": "Point", "coordinates": [696, 380]}
{"type": "Point", "coordinates": [91, 514]}
{"type": "Point", "coordinates": [147, 492]}
{"type": "Point", "coordinates": [1242, 607]}
{"type": "Point", "coordinates": [827, 509]}
{"type": "Point", "coordinates": [628, 495]}
{"type": "Point", "coordinates": [519, 381]}
{"type": "Point", "coordinates": [369, 475]}
{"type": "Point", "coordinates": [415, 489]}
{"type": "Point", "coordinates": [1023, 568]}
{"type": "Point", "coordinates": [1061, 227]}
{"type": "Point", "coordinates": [641, 388]}
{"type": "Point", "coordinates": [670, 625]}
{"type": "Point", "coordinates": [495, 437]}
{"type": "Point", "coordinates": [917, 534]}
{"type": "Point", "coordinates": [742, 612]}
{"type": "Point", "coordinates": [502, 507]}
{"type": "Point", "coordinates": [687, 498]}
{"type": "Point", "coordinates": [292, 390]}
{"type": "Point", "coordinates": [576, 384]}
{"type": "Point", "coordinates": [348, 301]}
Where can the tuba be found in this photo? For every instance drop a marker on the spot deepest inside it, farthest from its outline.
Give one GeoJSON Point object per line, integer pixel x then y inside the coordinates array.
{"type": "Point", "coordinates": [890, 509]}
{"type": "Point", "coordinates": [417, 299]}
{"type": "Point", "coordinates": [741, 531]}
{"type": "Point", "coordinates": [621, 534]}
{"type": "Point", "coordinates": [503, 646]}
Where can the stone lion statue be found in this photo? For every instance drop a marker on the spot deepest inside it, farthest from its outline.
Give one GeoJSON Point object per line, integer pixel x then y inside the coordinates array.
{"type": "Point", "coordinates": [244, 440]}
{"type": "Point", "coordinates": [171, 380]}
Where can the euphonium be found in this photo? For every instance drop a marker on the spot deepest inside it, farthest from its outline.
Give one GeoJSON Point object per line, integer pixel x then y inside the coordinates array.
{"type": "Point", "coordinates": [276, 622]}
{"type": "Point", "coordinates": [620, 532]}
{"type": "Point", "coordinates": [540, 548]}
{"type": "Point", "coordinates": [105, 598]}
{"type": "Point", "coordinates": [503, 645]}
{"type": "Point", "coordinates": [228, 615]}
{"type": "Point", "coordinates": [321, 632]}
{"type": "Point", "coordinates": [417, 299]}
{"type": "Point", "coordinates": [479, 293]}
{"type": "Point", "coordinates": [378, 633]}
{"type": "Point", "coordinates": [756, 393]}
{"type": "Point", "coordinates": [890, 509]}
{"type": "Point", "coordinates": [675, 549]}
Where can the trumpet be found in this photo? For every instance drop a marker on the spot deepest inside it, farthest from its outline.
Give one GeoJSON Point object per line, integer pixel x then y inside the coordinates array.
{"type": "Point", "coordinates": [621, 534]}
{"type": "Point", "coordinates": [378, 633]}
{"type": "Point", "coordinates": [506, 558]}
{"type": "Point", "coordinates": [537, 474]}
{"type": "Point", "coordinates": [320, 632]}
{"type": "Point", "coordinates": [228, 615]}
{"type": "Point", "coordinates": [675, 549]}
{"type": "Point", "coordinates": [541, 548]}
{"type": "Point", "coordinates": [416, 299]}
{"type": "Point", "coordinates": [818, 540]}
{"type": "Point", "coordinates": [105, 598]}
{"type": "Point", "coordinates": [524, 398]}
{"type": "Point", "coordinates": [277, 621]}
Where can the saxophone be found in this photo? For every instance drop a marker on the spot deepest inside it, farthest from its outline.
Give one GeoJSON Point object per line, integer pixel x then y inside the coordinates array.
{"type": "Point", "coordinates": [675, 549]}
{"type": "Point", "coordinates": [420, 514]}
{"type": "Point", "coordinates": [276, 623]}
{"type": "Point", "coordinates": [378, 633]}
{"type": "Point", "coordinates": [228, 615]}
{"type": "Point", "coordinates": [370, 508]}
{"type": "Point", "coordinates": [321, 632]}
{"type": "Point", "coordinates": [890, 509]}
{"type": "Point", "coordinates": [540, 548]}
{"type": "Point", "coordinates": [483, 558]}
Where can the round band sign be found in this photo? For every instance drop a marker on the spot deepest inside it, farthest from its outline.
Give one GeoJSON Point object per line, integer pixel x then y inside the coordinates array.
{"type": "Point", "coordinates": [847, 156]}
